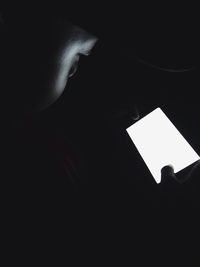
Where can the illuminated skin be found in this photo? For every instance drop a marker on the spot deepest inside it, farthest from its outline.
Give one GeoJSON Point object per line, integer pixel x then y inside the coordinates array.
{"type": "Point", "coordinates": [168, 174]}
{"type": "Point", "coordinates": [77, 42]}
{"type": "Point", "coordinates": [73, 42]}
{"type": "Point", "coordinates": [41, 68]}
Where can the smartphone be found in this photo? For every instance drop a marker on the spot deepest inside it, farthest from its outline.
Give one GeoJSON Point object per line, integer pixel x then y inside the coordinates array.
{"type": "Point", "coordinates": [160, 143]}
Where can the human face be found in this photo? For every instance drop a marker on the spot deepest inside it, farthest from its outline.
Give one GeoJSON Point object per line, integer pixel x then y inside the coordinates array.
{"type": "Point", "coordinates": [74, 42]}
{"type": "Point", "coordinates": [41, 59]}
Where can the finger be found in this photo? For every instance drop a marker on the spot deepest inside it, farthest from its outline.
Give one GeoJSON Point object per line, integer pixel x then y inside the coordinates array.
{"type": "Point", "coordinates": [134, 113]}
{"type": "Point", "coordinates": [167, 171]}
{"type": "Point", "coordinates": [129, 113]}
{"type": "Point", "coordinates": [194, 172]}
{"type": "Point", "coordinates": [167, 174]}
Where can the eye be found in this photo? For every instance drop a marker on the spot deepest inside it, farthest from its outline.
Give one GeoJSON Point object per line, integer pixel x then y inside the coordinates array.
{"type": "Point", "coordinates": [74, 66]}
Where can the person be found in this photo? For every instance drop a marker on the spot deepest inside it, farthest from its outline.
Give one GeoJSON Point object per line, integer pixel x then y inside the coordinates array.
{"type": "Point", "coordinates": [50, 82]}
{"type": "Point", "coordinates": [38, 56]}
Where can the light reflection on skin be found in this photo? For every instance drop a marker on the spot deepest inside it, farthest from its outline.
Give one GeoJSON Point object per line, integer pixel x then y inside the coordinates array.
{"type": "Point", "coordinates": [77, 42]}
{"type": "Point", "coordinates": [41, 60]}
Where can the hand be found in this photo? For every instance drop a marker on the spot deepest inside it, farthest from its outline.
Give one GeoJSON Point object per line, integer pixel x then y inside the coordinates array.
{"type": "Point", "coordinates": [168, 175]}
{"type": "Point", "coordinates": [126, 116]}
{"type": "Point", "coordinates": [175, 192]}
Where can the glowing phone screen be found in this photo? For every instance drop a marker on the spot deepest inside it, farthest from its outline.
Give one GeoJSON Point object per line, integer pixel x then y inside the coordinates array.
{"type": "Point", "coordinates": [160, 143]}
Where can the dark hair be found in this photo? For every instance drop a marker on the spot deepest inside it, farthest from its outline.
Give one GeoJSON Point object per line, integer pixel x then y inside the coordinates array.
{"type": "Point", "coordinates": [161, 35]}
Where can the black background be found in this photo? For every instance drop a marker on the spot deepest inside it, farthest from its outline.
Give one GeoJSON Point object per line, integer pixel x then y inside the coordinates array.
{"type": "Point", "coordinates": [111, 81]}
{"type": "Point", "coordinates": [116, 205]}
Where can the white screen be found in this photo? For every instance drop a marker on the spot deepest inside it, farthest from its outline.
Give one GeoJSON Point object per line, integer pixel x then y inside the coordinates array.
{"type": "Point", "coordinates": [160, 144]}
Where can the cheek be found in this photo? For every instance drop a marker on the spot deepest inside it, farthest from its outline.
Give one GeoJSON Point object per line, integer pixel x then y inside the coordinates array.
{"type": "Point", "coordinates": [65, 68]}
{"type": "Point", "coordinates": [54, 85]}
{"type": "Point", "coordinates": [55, 77]}
{"type": "Point", "coordinates": [60, 80]}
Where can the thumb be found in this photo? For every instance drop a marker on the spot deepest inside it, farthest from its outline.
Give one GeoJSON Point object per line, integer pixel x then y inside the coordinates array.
{"type": "Point", "coordinates": [167, 174]}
